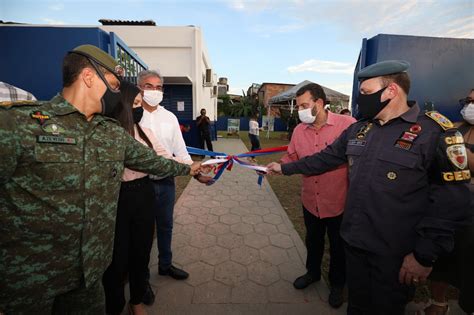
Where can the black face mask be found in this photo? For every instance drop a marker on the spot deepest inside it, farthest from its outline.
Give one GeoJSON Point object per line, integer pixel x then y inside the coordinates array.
{"type": "Point", "coordinates": [109, 101]}
{"type": "Point", "coordinates": [370, 105]}
{"type": "Point", "coordinates": [137, 114]}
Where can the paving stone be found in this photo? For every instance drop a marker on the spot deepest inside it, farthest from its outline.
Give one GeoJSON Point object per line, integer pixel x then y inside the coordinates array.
{"type": "Point", "coordinates": [282, 228]}
{"type": "Point", "coordinates": [261, 210]}
{"type": "Point", "coordinates": [230, 240]}
{"type": "Point", "coordinates": [238, 197]}
{"type": "Point", "coordinates": [293, 255]}
{"type": "Point", "coordinates": [176, 293]}
{"type": "Point", "coordinates": [220, 197]}
{"type": "Point", "coordinates": [248, 203]}
{"type": "Point", "coordinates": [241, 228]}
{"type": "Point", "coordinates": [211, 203]}
{"type": "Point", "coordinates": [203, 240]}
{"type": "Point", "coordinates": [256, 240]}
{"type": "Point", "coordinates": [217, 229]}
{"type": "Point", "coordinates": [219, 211]}
{"type": "Point", "coordinates": [191, 203]}
{"type": "Point", "coordinates": [281, 240]}
{"type": "Point", "coordinates": [229, 218]}
{"type": "Point", "coordinates": [252, 219]}
{"type": "Point", "coordinates": [230, 204]}
{"type": "Point", "coordinates": [185, 219]}
{"type": "Point", "coordinates": [186, 255]}
{"type": "Point", "coordinates": [263, 273]}
{"type": "Point", "coordinates": [177, 228]}
{"type": "Point", "coordinates": [199, 211]}
{"type": "Point", "coordinates": [240, 210]}
{"type": "Point", "coordinates": [230, 273]}
{"type": "Point", "coordinates": [201, 198]}
{"type": "Point", "coordinates": [249, 293]}
{"type": "Point", "coordinates": [214, 255]}
{"type": "Point", "coordinates": [180, 240]}
{"type": "Point", "coordinates": [273, 255]}
{"type": "Point", "coordinates": [244, 255]}
{"type": "Point", "coordinates": [272, 218]}
{"type": "Point", "coordinates": [193, 229]}
{"type": "Point", "coordinates": [199, 273]}
{"type": "Point", "coordinates": [211, 292]}
{"type": "Point", "coordinates": [265, 228]}
{"type": "Point", "coordinates": [284, 292]}
{"type": "Point", "coordinates": [208, 219]}
{"type": "Point", "coordinates": [289, 271]}
{"type": "Point", "coordinates": [180, 210]}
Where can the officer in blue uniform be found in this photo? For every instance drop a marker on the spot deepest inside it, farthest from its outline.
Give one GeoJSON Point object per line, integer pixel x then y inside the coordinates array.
{"type": "Point", "coordinates": [407, 190]}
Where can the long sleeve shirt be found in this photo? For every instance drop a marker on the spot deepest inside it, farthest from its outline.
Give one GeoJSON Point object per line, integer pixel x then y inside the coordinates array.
{"type": "Point", "coordinates": [165, 128]}
{"type": "Point", "coordinates": [128, 174]}
{"type": "Point", "coordinates": [406, 193]}
{"type": "Point", "coordinates": [322, 195]}
{"type": "Point", "coordinates": [60, 177]}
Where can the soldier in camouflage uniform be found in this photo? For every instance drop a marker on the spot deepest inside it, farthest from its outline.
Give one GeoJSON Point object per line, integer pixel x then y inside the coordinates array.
{"type": "Point", "coordinates": [60, 168]}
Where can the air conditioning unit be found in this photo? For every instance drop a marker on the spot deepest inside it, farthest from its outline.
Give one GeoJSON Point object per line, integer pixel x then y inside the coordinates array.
{"type": "Point", "coordinates": [208, 78]}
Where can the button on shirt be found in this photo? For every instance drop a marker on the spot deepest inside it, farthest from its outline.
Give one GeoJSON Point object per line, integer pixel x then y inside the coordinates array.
{"type": "Point", "coordinates": [397, 201]}
{"type": "Point", "coordinates": [323, 195]}
{"type": "Point", "coordinates": [165, 127]}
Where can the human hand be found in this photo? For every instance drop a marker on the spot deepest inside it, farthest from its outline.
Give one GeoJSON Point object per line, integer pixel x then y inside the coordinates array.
{"type": "Point", "coordinates": [207, 180]}
{"type": "Point", "coordinates": [206, 169]}
{"type": "Point", "coordinates": [412, 272]}
{"type": "Point", "coordinates": [274, 169]}
{"type": "Point", "coordinates": [195, 168]}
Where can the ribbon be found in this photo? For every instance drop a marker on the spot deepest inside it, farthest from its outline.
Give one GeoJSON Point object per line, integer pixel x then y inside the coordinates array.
{"type": "Point", "coordinates": [231, 159]}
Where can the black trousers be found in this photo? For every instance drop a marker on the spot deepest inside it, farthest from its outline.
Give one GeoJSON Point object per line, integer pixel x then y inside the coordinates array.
{"type": "Point", "coordinates": [373, 284]}
{"type": "Point", "coordinates": [205, 136]}
{"type": "Point", "coordinates": [132, 245]}
{"type": "Point", "coordinates": [316, 229]}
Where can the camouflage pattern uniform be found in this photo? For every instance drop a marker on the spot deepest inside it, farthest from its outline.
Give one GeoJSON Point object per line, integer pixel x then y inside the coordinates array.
{"type": "Point", "coordinates": [59, 185]}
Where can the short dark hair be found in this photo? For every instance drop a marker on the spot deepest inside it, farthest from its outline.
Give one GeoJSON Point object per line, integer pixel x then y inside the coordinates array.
{"type": "Point", "coordinates": [401, 79]}
{"type": "Point", "coordinates": [316, 91]}
{"type": "Point", "coordinates": [73, 64]}
{"type": "Point", "coordinates": [345, 110]}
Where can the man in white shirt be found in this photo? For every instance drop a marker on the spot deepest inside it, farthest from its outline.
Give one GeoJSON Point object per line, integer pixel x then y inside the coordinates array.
{"type": "Point", "coordinates": [165, 127]}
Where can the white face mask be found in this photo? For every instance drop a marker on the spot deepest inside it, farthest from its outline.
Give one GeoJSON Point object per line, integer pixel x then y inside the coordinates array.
{"type": "Point", "coordinates": [306, 116]}
{"type": "Point", "coordinates": [468, 113]}
{"type": "Point", "coordinates": [152, 97]}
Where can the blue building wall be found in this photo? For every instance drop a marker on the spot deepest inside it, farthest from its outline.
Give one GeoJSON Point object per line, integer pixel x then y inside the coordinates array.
{"type": "Point", "coordinates": [31, 57]}
{"type": "Point", "coordinates": [441, 71]}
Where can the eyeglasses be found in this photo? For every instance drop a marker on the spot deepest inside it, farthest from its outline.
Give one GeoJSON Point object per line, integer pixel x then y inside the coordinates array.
{"type": "Point", "coordinates": [148, 86]}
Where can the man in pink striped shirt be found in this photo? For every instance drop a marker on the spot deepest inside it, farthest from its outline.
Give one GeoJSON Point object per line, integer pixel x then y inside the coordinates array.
{"type": "Point", "coordinates": [323, 196]}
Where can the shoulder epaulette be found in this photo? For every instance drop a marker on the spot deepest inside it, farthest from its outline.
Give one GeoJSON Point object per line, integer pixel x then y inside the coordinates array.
{"type": "Point", "coordinates": [9, 104]}
{"type": "Point", "coordinates": [440, 119]}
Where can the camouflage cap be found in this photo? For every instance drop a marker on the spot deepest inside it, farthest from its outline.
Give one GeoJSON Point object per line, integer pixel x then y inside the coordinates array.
{"type": "Point", "coordinates": [98, 56]}
{"type": "Point", "coordinates": [381, 68]}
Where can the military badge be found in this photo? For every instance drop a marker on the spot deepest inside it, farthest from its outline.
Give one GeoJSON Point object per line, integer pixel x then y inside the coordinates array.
{"type": "Point", "coordinates": [364, 130]}
{"type": "Point", "coordinates": [457, 155]}
{"type": "Point", "coordinates": [444, 122]}
{"type": "Point", "coordinates": [53, 128]}
{"type": "Point", "coordinates": [415, 128]}
{"type": "Point", "coordinates": [392, 175]}
{"type": "Point", "coordinates": [39, 116]}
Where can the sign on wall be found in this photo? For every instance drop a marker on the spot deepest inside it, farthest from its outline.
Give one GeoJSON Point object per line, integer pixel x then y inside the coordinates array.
{"type": "Point", "coordinates": [233, 125]}
{"type": "Point", "coordinates": [180, 106]}
{"type": "Point", "coordinates": [268, 122]}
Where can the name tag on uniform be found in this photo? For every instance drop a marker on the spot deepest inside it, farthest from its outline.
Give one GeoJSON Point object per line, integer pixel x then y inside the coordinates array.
{"type": "Point", "coordinates": [55, 139]}
{"type": "Point", "coordinates": [357, 142]}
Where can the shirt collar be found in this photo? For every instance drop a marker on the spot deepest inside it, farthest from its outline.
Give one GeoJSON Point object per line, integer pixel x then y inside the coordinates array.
{"type": "Point", "coordinates": [411, 115]}
{"type": "Point", "coordinates": [60, 106]}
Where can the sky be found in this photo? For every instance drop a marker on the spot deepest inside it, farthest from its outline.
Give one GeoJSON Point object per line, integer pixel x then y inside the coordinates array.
{"type": "Point", "coordinates": [284, 41]}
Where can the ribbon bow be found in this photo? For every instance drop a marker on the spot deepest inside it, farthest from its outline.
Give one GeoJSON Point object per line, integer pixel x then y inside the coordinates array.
{"type": "Point", "coordinates": [231, 159]}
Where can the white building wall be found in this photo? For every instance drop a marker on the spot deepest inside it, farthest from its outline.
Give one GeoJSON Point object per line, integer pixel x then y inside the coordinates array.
{"type": "Point", "coordinates": [177, 52]}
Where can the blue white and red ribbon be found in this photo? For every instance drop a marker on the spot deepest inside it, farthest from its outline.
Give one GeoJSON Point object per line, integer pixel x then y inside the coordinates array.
{"type": "Point", "coordinates": [229, 160]}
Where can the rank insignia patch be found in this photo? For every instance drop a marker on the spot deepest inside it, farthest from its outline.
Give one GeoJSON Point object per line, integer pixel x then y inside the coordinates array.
{"type": "Point", "coordinates": [40, 116]}
{"type": "Point", "coordinates": [444, 122]}
{"type": "Point", "coordinates": [457, 155]}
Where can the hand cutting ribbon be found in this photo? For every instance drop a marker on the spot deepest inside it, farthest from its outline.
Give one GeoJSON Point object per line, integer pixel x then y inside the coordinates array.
{"type": "Point", "coordinates": [226, 161]}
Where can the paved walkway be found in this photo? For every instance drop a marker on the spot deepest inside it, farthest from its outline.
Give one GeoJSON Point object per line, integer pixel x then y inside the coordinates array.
{"type": "Point", "coordinates": [240, 249]}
